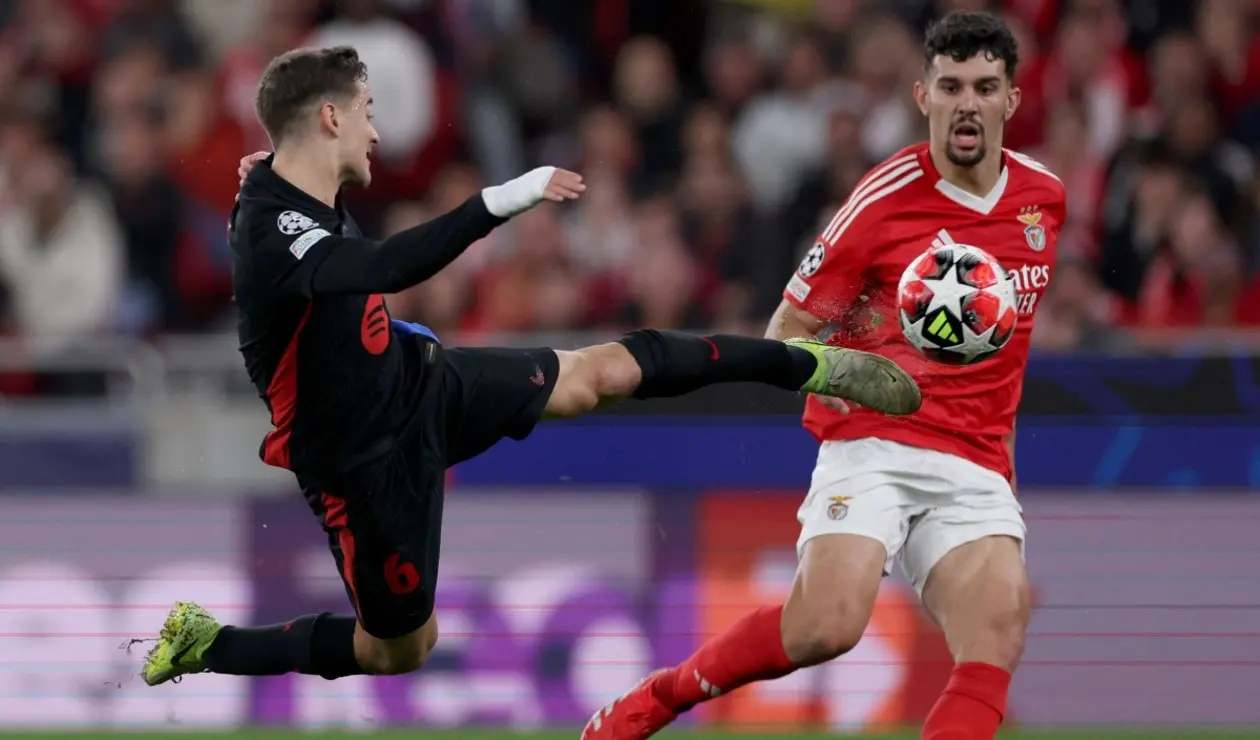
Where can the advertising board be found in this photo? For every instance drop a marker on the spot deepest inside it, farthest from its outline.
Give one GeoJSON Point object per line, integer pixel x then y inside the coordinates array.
{"type": "Point", "coordinates": [553, 601]}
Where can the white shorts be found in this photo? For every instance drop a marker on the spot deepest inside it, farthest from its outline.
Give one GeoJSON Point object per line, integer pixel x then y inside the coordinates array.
{"type": "Point", "coordinates": [919, 503]}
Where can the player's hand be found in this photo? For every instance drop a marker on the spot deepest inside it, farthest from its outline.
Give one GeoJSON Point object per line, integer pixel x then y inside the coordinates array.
{"type": "Point", "coordinates": [836, 404]}
{"type": "Point", "coordinates": [523, 193]}
{"type": "Point", "coordinates": [564, 185]}
{"type": "Point", "coordinates": [248, 162]}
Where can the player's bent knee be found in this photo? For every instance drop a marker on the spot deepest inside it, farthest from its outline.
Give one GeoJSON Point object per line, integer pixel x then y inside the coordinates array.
{"type": "Point", "coordinates": [609, 370]}
{"type": "Point", "coordinates": [575, 392]}
{"type": "Point", "coordinates": [832, 597]}
{"type": "Point", "coordinates": [996, 637]}
{"type": "Point", "coordinates": [397, 661]}
{"type": "Point", "coordinates": [399, 655]}
{"type": "Point", "coordinates": [1001, 632]}
{"type": "Point", "coordinates": [816, 637]}
{"type": "Point", "coordinates": [617, 374]}
{"type": "Point", "coordinates": [591, 376]}
{"type": "Point", "coordinates": [1008, 644]}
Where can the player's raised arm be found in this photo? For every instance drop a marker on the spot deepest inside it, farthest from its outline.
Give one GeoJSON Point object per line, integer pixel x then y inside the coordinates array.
{"type": "Point", "coordinates": [316, 107]}
{"type": "Point", "coordinates": [414, 255]}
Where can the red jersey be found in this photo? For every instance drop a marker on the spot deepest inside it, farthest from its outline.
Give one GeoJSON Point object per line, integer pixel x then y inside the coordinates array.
{"type": "Point", "coordinates": [850, 276]}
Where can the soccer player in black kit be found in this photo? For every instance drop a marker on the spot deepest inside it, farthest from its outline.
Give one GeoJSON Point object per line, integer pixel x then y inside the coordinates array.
{"type": "Point", "coordinates": [369, 412]}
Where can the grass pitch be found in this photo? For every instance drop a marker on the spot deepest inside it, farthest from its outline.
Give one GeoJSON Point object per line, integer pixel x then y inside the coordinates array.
{"type": "Point", "coordinates": [1205, 733]}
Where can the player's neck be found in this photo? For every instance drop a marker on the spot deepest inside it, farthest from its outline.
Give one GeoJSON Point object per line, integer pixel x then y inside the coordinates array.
{"type": "Point", "coordinates": [308, 174]}
{"type": "Point", "coordinates": [979, 179]}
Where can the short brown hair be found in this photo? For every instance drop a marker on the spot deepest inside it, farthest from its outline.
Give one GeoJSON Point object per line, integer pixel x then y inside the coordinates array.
{"type": "Point", "coordinates": [961, 35]}
{"type": "Point", "coordinates": [299, 78]}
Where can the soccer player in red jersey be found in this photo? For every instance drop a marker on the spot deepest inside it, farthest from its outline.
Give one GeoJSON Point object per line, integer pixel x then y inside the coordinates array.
{"type": "Point", "coordinates": [934, 489]}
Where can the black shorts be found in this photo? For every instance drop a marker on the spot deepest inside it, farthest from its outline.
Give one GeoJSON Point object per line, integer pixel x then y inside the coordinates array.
{"type": "Point", "coordinates": [384, 518]}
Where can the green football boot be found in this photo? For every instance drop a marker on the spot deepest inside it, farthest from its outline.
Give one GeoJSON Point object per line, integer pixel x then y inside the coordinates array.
{"type": "Point", "coordinates": [867, 379]}
{"type": "Point", "coordinates": [187, 632]}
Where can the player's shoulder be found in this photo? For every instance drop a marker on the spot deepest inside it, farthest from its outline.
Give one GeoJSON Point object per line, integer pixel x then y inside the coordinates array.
{"type": "Point", "coordinates": [1036, 178]}
{"type": "Point", "coordinates": [265, 222]}
{"type": "Point", "coordinates": [898, 170]}
{"type": "Point", "coordinates": [898, 178]}
{"type": "Point", "coordinates": [916, 151]}
{"type": "Point", "coordinates": [884, 189]}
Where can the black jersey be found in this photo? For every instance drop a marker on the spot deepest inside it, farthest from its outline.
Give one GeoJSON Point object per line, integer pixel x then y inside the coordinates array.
{"type": "Point", "coordinates": [315, 332]}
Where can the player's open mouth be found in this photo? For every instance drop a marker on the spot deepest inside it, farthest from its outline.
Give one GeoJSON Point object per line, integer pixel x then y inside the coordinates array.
{"type": "Point", "coordinates": [966, 135]}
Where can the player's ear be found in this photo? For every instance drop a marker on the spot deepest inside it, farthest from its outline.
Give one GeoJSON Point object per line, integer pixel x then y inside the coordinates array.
{"type": "Point", "coordinates": [920, 96]}
{"type": "Point", "coordinates": [328, 118]}
{"type": "Point", "coordinates": [1012, 102]}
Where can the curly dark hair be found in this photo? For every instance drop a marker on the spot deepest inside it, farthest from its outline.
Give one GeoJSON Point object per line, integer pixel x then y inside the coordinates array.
{"type": "Point", "coordinates": [961, 35]}
{"type": "Point", "coordinates": [300, 78]}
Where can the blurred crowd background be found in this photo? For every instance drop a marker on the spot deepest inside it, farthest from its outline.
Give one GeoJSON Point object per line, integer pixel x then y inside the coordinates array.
{"type": "Point", "coordinates": [716, 137]}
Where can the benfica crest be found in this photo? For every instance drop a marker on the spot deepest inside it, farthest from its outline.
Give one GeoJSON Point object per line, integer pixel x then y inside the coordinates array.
{"type": "Point", "coordinates": [839, 507]}
{"type": "Point", "coordinates": [1034, 232]}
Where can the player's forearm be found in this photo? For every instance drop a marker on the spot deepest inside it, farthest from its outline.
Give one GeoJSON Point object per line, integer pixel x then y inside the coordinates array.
{"type": "Point", "coordinates": [789, 322]}
{"type": "Point", "coordinates": [409, 257]}
{"type": "Point", "coordinates": [417, 254]}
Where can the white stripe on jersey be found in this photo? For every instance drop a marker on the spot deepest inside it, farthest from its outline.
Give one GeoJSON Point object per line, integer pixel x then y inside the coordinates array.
{"type": "Point", "coordinates": [876, 178]}
{"type": "Point", "coordinates": [943, 239]}
{"type": "Point", "coordinates": [1033, 164]}
{"type": "Point", "coordinates": [858, 207]}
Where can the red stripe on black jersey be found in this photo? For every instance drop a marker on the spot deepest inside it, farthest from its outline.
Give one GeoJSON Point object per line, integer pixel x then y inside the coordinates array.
{"type": "Point", "coordinates": [282, 398]}
{"type": "Point", "coordinates": [337, 520]}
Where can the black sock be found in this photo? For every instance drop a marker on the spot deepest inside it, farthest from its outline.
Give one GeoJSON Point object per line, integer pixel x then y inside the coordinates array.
{"type": "Point", "coordinates": [674, 363]}
{"type": "Point", "coordinates": [317, 645]}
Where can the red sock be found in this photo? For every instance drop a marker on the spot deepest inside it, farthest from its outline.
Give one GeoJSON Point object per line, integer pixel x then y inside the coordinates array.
{"type": "Point", "coordinates": [750, 651]}
{"type": "Point", "coordinates": [972, 706]}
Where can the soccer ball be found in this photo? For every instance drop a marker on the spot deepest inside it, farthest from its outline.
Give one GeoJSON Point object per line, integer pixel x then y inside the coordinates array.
{"type": "Point", "coordinates": [956, 304]}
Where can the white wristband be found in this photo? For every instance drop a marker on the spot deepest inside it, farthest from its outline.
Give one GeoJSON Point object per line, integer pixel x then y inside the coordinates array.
{"type": "Point", "coordinates": [518, 195]}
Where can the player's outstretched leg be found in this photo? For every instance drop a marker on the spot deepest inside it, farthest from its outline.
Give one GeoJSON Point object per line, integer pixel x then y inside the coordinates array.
{"type": "Point", "coordinates": [656, 364]}
{"type": "Point", "coordinates": [193, 641]}
{"type": "Point", "coordinates": [831, 602]}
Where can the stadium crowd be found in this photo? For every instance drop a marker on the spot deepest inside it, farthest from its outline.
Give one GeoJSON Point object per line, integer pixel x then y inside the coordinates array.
{"type": "Point", "coordinates": [716, 137]}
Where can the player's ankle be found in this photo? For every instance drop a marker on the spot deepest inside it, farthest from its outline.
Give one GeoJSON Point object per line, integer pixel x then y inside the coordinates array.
{"type": "Point", "coordinates": [809, 365]}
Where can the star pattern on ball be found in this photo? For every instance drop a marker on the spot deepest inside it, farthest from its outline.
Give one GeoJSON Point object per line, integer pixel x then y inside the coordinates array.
{"type": "Point", "coordinates": [940, 313]}
{"type": "Point", "coordinates": [974, 345]}
{"type": "Point", "coordinates": [950, 293]}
